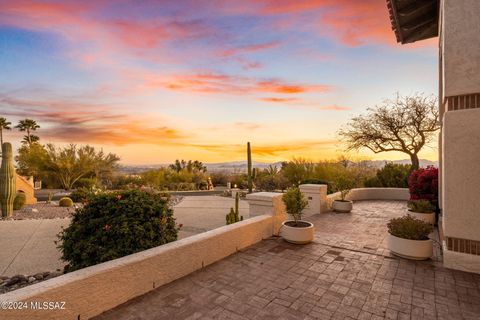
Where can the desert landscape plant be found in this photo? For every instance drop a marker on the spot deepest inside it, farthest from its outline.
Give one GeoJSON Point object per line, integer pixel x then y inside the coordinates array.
{"type": "Point", "coordinates": [407, 227]}
{"type": "Point", "coordinates": [8, 188]}
{"type": "Point", "coordinates": [295, 203]}
{"type": "Point", "coordinates": [421, 206]}
{"type": "Point", "coordinates": [402, 124]}
{"type": "Point", "coordinates": [234, 214]}
{"type": "Point", "coordinates": [20, 200]}
{"type": "Point", "coordinates": [65, 202]}
{"type": "Point", "coordinates": [113, 225]}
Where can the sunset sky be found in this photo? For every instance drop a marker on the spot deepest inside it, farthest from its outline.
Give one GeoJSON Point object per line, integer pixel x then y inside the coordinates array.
{"type": "Point", "coordinates": [154, 81]}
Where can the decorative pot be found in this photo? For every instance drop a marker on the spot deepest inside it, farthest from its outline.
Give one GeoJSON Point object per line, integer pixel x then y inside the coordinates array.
{"type": "Point", "coordinates": [426, 217]}
{"type": "Point", "coordinates": [343, 206]}
{"type": "Point", "coordinates": [301, 234]}
{"type": "Point", "coordinates": [410, 249]}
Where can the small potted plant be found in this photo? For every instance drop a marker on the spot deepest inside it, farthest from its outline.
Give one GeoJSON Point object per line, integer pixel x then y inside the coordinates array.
{"type": "Point", "coordinates": [343, 185]}
{"type": "Point", "coordinates": [296, 231]}
{"type": "Point", "coordinates": [422, 209]}
{"type": "Point", "coordinates": [408, 238]}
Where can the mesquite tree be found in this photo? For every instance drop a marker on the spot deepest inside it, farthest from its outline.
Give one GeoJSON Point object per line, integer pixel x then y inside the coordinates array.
{"type": "Point", "coordinates": [404, 124]}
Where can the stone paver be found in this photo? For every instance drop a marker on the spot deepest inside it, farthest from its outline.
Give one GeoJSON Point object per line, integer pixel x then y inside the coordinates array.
{"type": "Point", "coordinates": [345, 274]}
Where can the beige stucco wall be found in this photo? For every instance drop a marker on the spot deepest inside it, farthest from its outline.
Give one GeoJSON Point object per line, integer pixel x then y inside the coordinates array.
{"type": "Point", "coordinates": [460, 49]}
{"type": "Point", "coordinates": [90, 291]}
{"type": "Point", "coordinates": [461, 174]}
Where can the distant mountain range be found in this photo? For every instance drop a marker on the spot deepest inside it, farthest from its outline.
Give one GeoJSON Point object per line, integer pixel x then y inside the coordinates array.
{"type": "Point", "coordinates": [241, 166]}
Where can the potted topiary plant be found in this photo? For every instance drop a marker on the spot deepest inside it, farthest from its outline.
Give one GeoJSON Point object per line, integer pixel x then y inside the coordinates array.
{"type": "Point", "coordinates": [343, 185]}
{"type": "Point", "coordinates": [422, 209]}
{"type": "Point", "coordinates": [408, 238]}
{"type": "Point", "coordinates": [296, 230]}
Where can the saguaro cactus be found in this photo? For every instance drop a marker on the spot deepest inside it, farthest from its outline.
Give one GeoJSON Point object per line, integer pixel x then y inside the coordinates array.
{"type": "Point", "coordinates": [7, 181]}
{"type": "Point", "coordinates": [249, 168]}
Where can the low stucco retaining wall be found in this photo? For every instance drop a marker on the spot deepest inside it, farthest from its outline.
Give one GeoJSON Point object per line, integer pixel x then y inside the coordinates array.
{"type": "Point", "coordinates": [90, 291]}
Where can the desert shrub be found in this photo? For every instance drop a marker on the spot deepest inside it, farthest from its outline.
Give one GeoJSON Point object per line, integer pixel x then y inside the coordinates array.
{"type": "Point", "coordinates": [113, 225]}
{"type": "Point", "coordinates": [85, 183]}
{"type": "Point", "coordinates": [421, 206]}
{"type": "Point", "coordinates": [295, 202]}
{"type": "Point", "coordinates": [219, 178]}
{"type": "Point", "coordinates": [65, 202]}
{"type": "Point", "coordinates": [410, 228]}
{"type": "Point", "coordinates": [372, 182]}
{"type": "Point", "coordinates": [394, 175]}
{"type": "Point", "coordinates": [423, 184]}
{"type": "Point", "coordinates": [319, 181]}
{"type": "Point", "coordinates": [82, 194]}
{"type": "Point", "coordinates": [20, 200]}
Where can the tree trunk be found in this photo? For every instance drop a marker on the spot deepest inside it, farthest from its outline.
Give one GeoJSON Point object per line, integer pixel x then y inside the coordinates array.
{"type": "Point", "coordinates": [415, 162]}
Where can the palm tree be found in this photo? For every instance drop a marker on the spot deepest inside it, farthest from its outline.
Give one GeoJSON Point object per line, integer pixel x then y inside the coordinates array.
{"type": "Point", "coordinates": [4, 125]}
{"type": "Point", "coordinates": [28, 125]}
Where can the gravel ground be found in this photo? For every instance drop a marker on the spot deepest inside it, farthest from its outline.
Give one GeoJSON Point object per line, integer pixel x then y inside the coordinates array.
{"type": "Point", "coordinates": [43, 210]}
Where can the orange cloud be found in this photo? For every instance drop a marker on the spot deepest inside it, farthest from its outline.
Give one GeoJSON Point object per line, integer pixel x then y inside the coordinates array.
{"type": "Point", "coordinates": [225, 84]}
{"type": "Point", "coordinates": [71, 121]}
{"type": "Point", "coordinates": [353, 22]}
{"type": "Point", "coordinates": [268, 150]}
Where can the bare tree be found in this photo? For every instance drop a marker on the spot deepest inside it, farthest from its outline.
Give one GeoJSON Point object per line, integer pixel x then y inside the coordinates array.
{"type": "Point", "coordinates": [404, 124]}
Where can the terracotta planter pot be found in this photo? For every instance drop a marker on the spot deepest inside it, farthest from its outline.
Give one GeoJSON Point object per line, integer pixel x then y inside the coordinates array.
{"type": "Point", "coordinates": [303, 234]}
{"type": "Point", "coordinates": [410, 249]}
{"type": "Point", "coordinates": [342, 206]}
{"type": "Point", "coordinates": [426, 217]}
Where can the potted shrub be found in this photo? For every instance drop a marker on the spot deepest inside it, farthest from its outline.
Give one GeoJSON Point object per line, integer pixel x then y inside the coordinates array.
{"type": "Point", "coordinates": [408, 238]}
{"type": "Point", "coordinates": [343, 185]}
{"type": "Point", "coordinates": [422, 209]}
{"type": "Point", "coordinates": [296, 230]}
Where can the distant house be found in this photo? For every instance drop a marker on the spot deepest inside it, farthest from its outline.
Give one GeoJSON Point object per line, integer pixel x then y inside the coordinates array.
{"type": "Point", "coordinates": [457, 25]}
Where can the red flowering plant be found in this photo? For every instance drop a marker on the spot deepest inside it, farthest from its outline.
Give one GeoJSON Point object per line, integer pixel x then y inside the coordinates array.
{"type": "Point", "coordinates": [423, 184]}
{"type": "Point", "coordinates": [113, 225]}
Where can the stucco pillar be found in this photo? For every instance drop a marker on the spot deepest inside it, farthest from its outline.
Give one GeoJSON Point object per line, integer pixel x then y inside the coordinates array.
{"type": "Point", "coordinates": [268, 203]}
{"type": "Point", "coordinates": [316, 194]}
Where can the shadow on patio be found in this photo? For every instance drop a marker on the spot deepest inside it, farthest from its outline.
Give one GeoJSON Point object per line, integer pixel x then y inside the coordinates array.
{"type": "Point", "coordinates": [345, 274]}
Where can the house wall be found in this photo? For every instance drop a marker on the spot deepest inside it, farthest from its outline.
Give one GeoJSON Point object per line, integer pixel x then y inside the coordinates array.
{"type": "Point", "coordinates": [460, 47]}
{"type": "Point", "coordinates": [460, 136]}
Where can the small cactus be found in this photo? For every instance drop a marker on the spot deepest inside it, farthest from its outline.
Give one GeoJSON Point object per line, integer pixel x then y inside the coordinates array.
{"type": "Point", "coordinates": [50, 197]}
{"type": "Point", "coordinates": [8, 189]}
{"type": "Point", "coordinates": [65, 202]}
{"type": "Point", "coordinates": [234, 215]}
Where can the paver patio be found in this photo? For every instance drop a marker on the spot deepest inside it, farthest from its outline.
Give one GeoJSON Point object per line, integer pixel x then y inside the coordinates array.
{"type": "Point", "coordinates": [345, 274]}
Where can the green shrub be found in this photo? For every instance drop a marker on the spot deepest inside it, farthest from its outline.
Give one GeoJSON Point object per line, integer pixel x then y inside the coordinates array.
{"type": "Point", "coordinates": [111, 226]}
{"type": "Point", "coordinates": [394, 175]}
{"type": "Point", "coordinates": [421, 206]}
{"type": "Point", "coordinates": [82, 194]}
{"type": "Point", "coordinates": [20, 200]}
{"type": "Point", "coordinates": [410, 228]}
{"type": "Point", "coordinates": [295, 202]}
{"type": "Point", "coordinates": [372, 182]}
{"type": "Point", "coordinates": [87, 183]}
{"type": "Point", "coordinates": [65, 202]}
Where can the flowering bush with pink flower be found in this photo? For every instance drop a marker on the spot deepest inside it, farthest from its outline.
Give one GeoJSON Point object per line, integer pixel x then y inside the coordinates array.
{"type": "Point", "coordinates": [113, 225]}
{"type": "Point", "coordinates": [423, 184]}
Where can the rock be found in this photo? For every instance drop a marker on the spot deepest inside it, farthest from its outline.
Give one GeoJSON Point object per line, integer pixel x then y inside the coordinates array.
{"type": "Point", "coordinates": [34, 210]}
{"type": "Point", "coordinates": [14, 280]}
{"type": "Point", "coordinates": [3, 278]}
{"type": "Point", "coordinates": [31, 279]}
{"type": "Point", "coordinates": [39, 276]}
